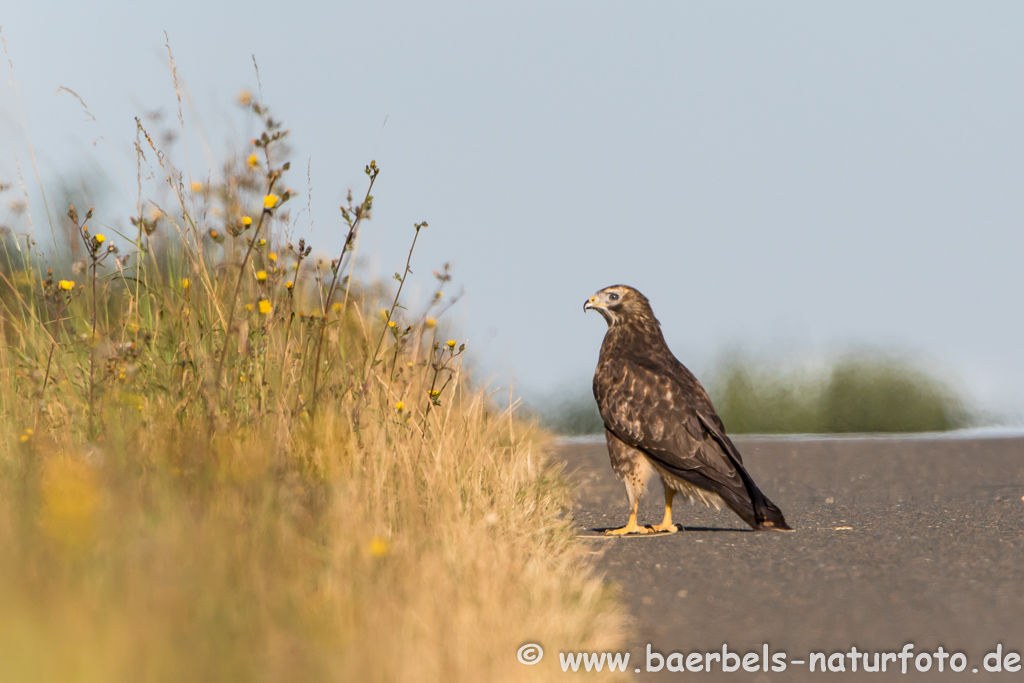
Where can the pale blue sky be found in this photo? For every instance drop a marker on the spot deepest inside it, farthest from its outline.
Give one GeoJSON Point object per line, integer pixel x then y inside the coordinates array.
{"type": "Point", "coordinates": [791, 178]}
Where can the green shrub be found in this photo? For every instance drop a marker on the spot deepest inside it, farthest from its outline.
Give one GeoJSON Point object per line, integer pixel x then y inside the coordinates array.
{"type": "Point", "coordinates": [857, 393]}
{"type": "Point", "coordinates": [865, 392]}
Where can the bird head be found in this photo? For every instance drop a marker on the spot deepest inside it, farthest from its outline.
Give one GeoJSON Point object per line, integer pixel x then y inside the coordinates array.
{"type": "Point", "coordinates": [619, 303]}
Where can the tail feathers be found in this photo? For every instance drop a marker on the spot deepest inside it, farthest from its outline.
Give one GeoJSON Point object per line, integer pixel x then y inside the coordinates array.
{"type": "Point", "coordinates": [751, 505]}
{"type": "Point", "coordinates": [756, 510]}
{"type": "Point", "coordinates": [742, 497]}
{"type": "Point", "coordinates": [748, 502]}
{"type": "Point", "coordinates": [771, 517]}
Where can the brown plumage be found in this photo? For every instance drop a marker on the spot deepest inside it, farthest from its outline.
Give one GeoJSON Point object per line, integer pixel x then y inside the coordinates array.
{"type": "Point", "coordinates": [658, 416]}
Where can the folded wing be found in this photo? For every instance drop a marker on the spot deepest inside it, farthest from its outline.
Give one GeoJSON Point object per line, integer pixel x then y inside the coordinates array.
{"type": "Point", "coordinates": [665, 412]}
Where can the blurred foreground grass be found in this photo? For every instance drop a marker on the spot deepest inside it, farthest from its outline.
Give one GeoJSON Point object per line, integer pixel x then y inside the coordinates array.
{"type": "Point", "coordinates": [221, 459]}
{"type": "Point", "coordinates": [857, 393]}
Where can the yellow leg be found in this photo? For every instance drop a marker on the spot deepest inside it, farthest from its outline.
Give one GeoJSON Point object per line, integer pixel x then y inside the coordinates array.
{"type": "Point", "coordinates": [631, 526]}
{"type": "Point", "coordinates": [666, 524]}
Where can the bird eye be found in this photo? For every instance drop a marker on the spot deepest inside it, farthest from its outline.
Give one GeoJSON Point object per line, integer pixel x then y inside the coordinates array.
{"type": "Point", "coordinates": [613, 296]}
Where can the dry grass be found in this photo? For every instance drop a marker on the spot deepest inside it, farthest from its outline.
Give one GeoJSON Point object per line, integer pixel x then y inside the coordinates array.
{"type": "Point", "coordinates": [209, 474]}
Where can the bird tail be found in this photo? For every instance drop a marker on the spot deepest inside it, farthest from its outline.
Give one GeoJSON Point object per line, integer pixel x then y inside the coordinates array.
{"type": "Point", "coordinates": [754, 508]}
{"type": "Point", "coordinates": [749, 503]}
{"type": "Point", "coordinates": [768, 516]}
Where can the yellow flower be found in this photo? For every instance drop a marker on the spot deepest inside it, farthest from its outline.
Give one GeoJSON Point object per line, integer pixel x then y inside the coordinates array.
{"type": "Point", "coordinates": [248, 307]}
{"type": "Point", "coordinates": [263, 243]}
{"type": "Point", "coordinates": [451, 343]}
{"type": "Point", "coordinates": [434, 393]}
{"type": "Point", "coordinates": [265, 307]}
{"type": "Point", "coordinates": [336, 307]}
{"type": "Point", "coordinates": [100, 239]}
{"type": "Point", "coordinates": [185, 283]}
{"type": "Point", "coordinates": [23, 438]}
{"type": "Point", "coordinates": [378, 546]}
{"type": "Point", "coordinates": [67, 285]}
{"type": "Point", "coordinates": [272, 256]}
{"type": "Point", "coordinates": [29, 431]}
{"type": "Point", "coordinates": [270, 201]}
{"type": "Point", "coordinates": [430, 322]}
{"type": "Point", "coordinates": [392, 323]}
{"type": "Point", "coordinates": [197, 186]}
{"type": "Point", "coordinates": [399, 406]}
{"type": "Point", "coordinates": [253, 160]}
{"type": "Point", "coordinates": [261, 275]}
{"type": "Point", "coordinates": [289, 284]}
{"type": "Point", "coordinates": [246, 221]}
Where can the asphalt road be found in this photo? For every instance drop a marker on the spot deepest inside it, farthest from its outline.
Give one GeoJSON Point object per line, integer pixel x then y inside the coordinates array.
{"type": "Point", "coordinates": [897, 541]}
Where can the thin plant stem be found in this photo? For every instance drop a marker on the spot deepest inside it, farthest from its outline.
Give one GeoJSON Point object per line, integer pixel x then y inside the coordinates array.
{"type": "Point", "coordinates": [372, 171]}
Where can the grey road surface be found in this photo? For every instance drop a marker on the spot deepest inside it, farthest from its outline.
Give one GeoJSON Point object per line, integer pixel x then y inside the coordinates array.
{"type": "Point", "coordinates": [897, 541]}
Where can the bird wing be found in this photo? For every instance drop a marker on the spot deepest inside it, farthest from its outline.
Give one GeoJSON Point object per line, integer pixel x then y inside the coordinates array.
{"type": "Point", "coordinates": [655, 412]}
{"type": "Point", "coordinates": [670, 418]}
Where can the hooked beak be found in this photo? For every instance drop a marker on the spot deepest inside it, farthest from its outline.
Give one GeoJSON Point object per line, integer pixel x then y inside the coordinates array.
{"type": "Point", "coordinates": [591, 303]}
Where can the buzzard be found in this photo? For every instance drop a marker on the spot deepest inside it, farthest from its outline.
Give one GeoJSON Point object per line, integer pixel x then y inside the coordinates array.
{"type": "Point", "coordinates": [658, 416]}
